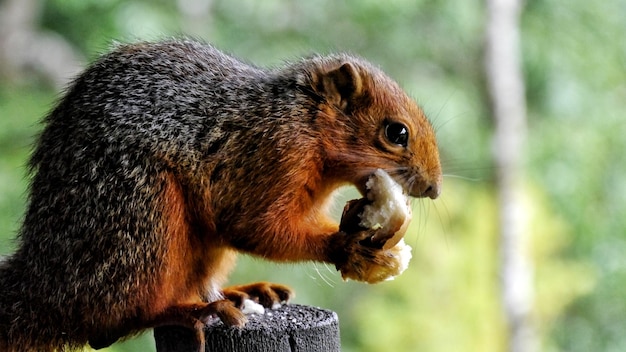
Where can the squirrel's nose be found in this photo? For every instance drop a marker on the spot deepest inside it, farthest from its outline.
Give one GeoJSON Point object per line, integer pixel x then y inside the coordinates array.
{"type": "Point", "coordinates": [432, 191]}
{"type": "Point", "coordinates": [427, 189]}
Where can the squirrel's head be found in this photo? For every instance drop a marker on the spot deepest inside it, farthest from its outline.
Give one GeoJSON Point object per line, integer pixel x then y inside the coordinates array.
{"type": "Point", "coordinates": [367, 122]}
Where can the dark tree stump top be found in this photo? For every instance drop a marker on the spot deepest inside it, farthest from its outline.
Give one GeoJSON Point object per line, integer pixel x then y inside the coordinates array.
{"type": "Point", "coordinates": [290, 328]}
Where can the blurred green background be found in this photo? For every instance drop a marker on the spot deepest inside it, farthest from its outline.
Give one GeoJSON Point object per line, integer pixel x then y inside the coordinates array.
{"type": "Point", "coordinates": [574, 57]}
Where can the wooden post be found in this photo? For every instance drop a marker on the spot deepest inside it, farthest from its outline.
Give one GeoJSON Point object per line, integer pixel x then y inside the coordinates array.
{"type": "Point", "coordinates": [290, 328]}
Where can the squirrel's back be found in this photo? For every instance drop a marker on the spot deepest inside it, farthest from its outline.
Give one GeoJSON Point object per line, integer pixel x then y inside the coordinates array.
{"type": "Point", "coordinates": [160, 98]}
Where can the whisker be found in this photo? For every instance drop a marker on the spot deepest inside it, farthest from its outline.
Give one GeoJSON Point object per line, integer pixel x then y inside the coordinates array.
{"type": "Point", "coordinates": [427, 208]}
{"type": "Point", "coordinates": [439, 125]}
{"type": "Point", "coordinates": [328, 268]}
{"type": "Point", "coordinates": [435, 119]}
{"type": "Point", "coordinates": [420, 213]}
{"type": "Point", "coordinates": [425, 214]}
{"type": "Point", "coordinates": [466, 167]}
{"type": "Point", "coordinates": [321, 276]}
{"type": "Point", "coordinates": [472, 179]}
{"type": "Point", "coordinates": [443, 226]}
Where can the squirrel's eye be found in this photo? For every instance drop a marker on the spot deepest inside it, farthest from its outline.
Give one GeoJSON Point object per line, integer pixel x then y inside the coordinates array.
{"type": "Point", "coordinates": [397, 133]}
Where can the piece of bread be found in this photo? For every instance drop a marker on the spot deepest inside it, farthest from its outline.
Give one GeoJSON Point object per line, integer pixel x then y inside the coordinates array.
{"type": "Point", "coordinates": [388, 211]}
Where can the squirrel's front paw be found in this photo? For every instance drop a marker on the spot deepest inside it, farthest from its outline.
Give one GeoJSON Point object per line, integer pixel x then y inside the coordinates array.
{"type": "Point", "coordinates": [370, 245]}
{"type": "Point", "coordinates": [362, 260]}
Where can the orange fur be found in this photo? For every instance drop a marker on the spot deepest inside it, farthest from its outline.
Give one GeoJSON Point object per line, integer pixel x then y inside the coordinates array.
{"type": "Point", "coordinates": [194, 262]}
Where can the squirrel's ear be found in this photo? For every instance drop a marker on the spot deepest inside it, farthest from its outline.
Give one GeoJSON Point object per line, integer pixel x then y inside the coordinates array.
{"type": "Point", "coordinates": [340, 85]}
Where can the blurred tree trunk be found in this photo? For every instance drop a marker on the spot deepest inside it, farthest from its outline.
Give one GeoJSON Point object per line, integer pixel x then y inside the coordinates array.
{"type": "Point", "coordinates": [505, 84]}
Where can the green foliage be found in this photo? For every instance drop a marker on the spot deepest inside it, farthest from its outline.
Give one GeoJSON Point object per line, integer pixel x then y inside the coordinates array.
{"type": "Point", "coordinates": [20, 111]}
{"type": "Point", "coordinates": [573, 54]}
{"type": "Point", "coordinates": [577, 91]}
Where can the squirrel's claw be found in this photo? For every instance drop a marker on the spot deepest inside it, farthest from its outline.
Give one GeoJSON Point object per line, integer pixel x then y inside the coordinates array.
{"type": "Point", "coordinates": [228, 313]}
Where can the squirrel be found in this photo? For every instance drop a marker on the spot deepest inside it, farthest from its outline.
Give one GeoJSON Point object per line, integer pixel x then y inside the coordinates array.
{"type": "Point", "coordinates": [163, 160]}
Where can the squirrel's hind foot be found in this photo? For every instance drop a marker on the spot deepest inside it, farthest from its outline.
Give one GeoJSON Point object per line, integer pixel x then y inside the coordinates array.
{"type": "Point", "coordinates": [196, 316]}
{"type": "Point", "coordinates": [267, 294]}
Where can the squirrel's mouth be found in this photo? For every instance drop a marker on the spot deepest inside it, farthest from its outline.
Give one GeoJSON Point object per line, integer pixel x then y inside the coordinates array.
{"type": "Point", "coordinates": [361, 183]}
{"type": "Point", "coordinates": [417, 186]}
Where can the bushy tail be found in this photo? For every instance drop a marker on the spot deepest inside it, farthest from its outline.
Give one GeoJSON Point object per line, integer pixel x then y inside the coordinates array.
{"type": "Point", "coordinates": [25, 326]}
